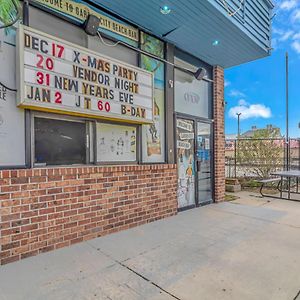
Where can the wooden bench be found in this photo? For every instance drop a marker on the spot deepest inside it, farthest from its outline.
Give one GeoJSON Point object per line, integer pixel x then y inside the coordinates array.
{"type": "Point", "coordinates": [266, 181]}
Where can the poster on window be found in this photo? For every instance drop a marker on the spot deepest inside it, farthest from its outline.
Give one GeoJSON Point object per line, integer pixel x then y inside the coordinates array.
{"type": "Point", "coordinates": [116, 143]}
{"type": "Point", "coordinates": [12, 123]}
{"type": "Point", "coordinates": [152, 45]}
{"type": "Point", "coordinates": [185, 162]}
{"type": "Point", "coordinates": [154, 135]}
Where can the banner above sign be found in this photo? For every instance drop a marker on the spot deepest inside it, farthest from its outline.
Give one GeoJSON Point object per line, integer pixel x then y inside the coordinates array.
{"type": "Point", "coordinates": [58, 76]}
{"type": "Point", "coordinates": [81, 11]}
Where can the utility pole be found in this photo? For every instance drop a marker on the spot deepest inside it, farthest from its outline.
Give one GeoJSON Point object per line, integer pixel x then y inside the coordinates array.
{"type": "Point", "coordinates": [237, 154]}
{"type": "Point", "coordinates": [287, 109]}
{"type": "Point", "coordinates": [239, 131]}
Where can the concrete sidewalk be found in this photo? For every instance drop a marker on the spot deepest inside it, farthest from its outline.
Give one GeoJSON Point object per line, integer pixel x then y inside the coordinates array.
{"type": "Point", "coordinates": [246, 249]}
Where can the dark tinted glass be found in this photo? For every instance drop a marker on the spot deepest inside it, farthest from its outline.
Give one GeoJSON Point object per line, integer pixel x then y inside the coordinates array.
{"type": "Point", "coordinates": [59, 142]}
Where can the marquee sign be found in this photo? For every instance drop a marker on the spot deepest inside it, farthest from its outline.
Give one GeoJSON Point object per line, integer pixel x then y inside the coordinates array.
{"type": "Point", "coordinates": [58, 76]}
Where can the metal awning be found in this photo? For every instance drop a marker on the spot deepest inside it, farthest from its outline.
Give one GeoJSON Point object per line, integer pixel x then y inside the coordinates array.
{"type": "Point", "coordinates": [193, 26]}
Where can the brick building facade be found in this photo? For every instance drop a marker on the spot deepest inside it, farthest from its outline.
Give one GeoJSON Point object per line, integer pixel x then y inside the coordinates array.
{"type": "Point", "coordinates": [114, 128]}
{"type": "Point", "coordinates": [219, 134]}
{"type": "Point", "coordinates": [49, 208]}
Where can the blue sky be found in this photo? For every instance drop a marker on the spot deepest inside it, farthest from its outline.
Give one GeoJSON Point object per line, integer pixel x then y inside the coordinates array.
{"type": "Point", "coordinates": [257, 89]}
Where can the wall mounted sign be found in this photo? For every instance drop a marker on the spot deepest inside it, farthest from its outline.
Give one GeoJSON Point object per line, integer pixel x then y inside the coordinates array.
{"type": "Point", "coordinates": [58, 76]}
{"type": "Point", "coordinates": [183, 145]}
{"type": "Point", "coordinates": [81, 11]}
{"type": "Point", "coordinates": [186, 135]}
{"type": "Point", "coordinates": [12, 118]}
{"type": "Point", "coordinates": [3, 93]}
{"type": "Point", "coordinates": [184, 125]}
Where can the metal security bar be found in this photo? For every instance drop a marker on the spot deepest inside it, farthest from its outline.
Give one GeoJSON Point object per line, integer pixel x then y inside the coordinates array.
{"type": "Point", "coordinates": [257, 158]}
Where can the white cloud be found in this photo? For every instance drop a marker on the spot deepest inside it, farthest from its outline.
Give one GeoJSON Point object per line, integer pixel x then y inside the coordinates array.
{"type": "Point", "coordinates": [227, 83]}
{"type": "Point", "coordinates": [286, 32]}
{"type": "Point", "coordinates": [296, 36]}
{"type": "Point", "coordinates": [296, 15]}
{"type": "Point", "coordinates": [236, 93]}
{"type": "Point", "coordinates": [288, 4]}
{"type": "Point", "coordinates": [286, 35]}
{"type": "Point", "coordinates": [243, 102]}
{"type": "Point", "coordinates": [296, 46]}
{"type": "Point", "coordinates": [249, 111]}
{"type": "Point", "coordinates": [280, 36]}
{"type": "Point", "coordinates": [276, 30]}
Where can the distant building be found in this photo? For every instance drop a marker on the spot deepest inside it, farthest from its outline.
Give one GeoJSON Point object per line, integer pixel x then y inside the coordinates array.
{"type": "Point", "coordinates": [230, 137]}
{"type": "Point", "coordinates": [230, 142]}
{"type": "Point", "coordinates": [275, 132]}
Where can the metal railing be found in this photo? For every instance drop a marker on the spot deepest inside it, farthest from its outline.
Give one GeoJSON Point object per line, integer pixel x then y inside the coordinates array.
{"type": "Point", "coordinates": [257, 158]}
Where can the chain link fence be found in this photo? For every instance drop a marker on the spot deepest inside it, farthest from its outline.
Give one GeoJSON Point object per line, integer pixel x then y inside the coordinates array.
{"type": "Point", "coordinates": [257, 158]}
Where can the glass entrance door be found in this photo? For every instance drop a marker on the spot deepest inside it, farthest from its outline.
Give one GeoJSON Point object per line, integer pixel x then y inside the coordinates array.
{"type": "Point", "coordinates": [185, 136]}
{"type": "Point", "coordinates": [203, 163]}
{"type": "Point", "coordinates": [194, 150]}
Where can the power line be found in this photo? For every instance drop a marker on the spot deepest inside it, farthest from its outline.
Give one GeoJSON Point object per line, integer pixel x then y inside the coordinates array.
{"type": "Point", "coordinates": [7, 88]}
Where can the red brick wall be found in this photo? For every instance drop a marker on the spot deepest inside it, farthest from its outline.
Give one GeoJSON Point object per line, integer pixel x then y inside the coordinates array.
{"type": "Point", "coordinates": [46, 209]}
{"type": "Point", "coordinates": [219, 142]}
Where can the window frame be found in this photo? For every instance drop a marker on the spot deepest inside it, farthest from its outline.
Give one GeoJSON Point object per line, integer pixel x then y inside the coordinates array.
{"type": "Point", "coordinates": [210, 97]}
{"type": "Point", "coordinates": [90, 142]}
{"type": "Point", "coordinates": [88, 133]}
{"type": "Point", "coordinates": [165, 148]}
{"type": "Point", "coordinates": [138, 128]}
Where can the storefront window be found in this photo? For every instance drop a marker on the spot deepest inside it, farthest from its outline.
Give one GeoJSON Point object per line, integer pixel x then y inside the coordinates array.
{"type": "Point", "coordinates": [193, 104]}
{"type": "Point", "coordinates": [154, 134]}
{"type": "Point", "coordinates": [185, 135]}
{"type": "Point", "coordinates": [192, 97]}
{"type": "Point", "coordinates": [152, 45]}
{"type": "Point", "coordinates": [116, 143]}
{"type": "Point", "coordinates": [204, 164]}
{"type": "Point", "coordinates": [59, 142]}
